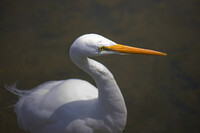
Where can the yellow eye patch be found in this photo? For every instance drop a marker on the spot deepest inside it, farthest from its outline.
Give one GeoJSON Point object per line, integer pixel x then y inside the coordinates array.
{"type": "Point", "coordinates": [102, 48]}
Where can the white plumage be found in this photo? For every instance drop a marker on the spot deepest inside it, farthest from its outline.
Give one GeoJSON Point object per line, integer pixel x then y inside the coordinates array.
{"type": "Point", "coordinates": [74, 105]}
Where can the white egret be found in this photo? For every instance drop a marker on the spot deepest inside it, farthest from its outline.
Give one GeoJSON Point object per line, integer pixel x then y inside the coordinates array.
{"type": "Point", "coordinates": [74, 105]}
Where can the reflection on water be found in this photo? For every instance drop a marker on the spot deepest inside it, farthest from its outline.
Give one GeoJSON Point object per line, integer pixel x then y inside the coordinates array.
{"type": "Point", "coordinates": [161, 93]}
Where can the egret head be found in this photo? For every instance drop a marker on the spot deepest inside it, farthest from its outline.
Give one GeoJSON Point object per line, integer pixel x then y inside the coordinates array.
{"type": "Point", "coordinates": [97, 45]}
{"type": "Point", "coordinates": [90, 45]}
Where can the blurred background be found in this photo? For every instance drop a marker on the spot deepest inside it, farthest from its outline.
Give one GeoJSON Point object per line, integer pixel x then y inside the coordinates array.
{"type": "Point", "coordinates": [162, 94]}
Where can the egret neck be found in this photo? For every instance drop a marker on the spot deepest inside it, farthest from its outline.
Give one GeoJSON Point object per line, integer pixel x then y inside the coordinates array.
{"type": "Point", "coordinates": [109, 92]}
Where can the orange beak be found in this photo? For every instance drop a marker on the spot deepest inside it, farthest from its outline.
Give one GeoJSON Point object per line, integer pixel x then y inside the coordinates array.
{"type": "Point", "coordinates": [132, 50]}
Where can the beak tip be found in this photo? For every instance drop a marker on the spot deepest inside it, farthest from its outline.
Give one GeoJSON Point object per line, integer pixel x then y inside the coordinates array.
{"type": "Point", "coordinates": [164, 54]}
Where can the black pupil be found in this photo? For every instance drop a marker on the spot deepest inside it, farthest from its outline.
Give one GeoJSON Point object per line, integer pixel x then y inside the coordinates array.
{"type": "Point", "coordinates": [101, 48]}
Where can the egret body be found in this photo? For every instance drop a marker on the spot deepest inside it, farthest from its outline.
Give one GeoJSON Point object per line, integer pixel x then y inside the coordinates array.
{"type": "Point", "coordinates": [74, 105]}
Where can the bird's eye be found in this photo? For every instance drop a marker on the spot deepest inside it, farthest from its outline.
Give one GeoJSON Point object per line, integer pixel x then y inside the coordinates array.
{"type": "Point", "coordinates": [101, 48]}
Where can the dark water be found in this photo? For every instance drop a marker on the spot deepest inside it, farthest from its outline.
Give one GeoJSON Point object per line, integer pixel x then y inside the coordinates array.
{"type": "Point", "coordinates": [162, 93]}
